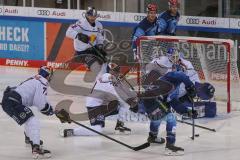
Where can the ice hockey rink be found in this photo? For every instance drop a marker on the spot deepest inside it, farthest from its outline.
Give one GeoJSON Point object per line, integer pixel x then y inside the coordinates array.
{"type": "Point", "coordinates": [224, 144]}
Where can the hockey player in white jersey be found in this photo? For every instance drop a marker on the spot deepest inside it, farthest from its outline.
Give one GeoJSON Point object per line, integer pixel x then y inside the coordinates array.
{"type": "Point", "coordinates": [87, 35]}
{"type": "Point", "coordinates": [174, 61]}
{"type": "Point", "coordinates": [109, 97]}
{"type": "Point", "coordinates": [17, 101]}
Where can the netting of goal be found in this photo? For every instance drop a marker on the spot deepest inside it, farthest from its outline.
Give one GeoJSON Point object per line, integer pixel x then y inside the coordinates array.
{"type": "Point", "coordinates": [215, 61]}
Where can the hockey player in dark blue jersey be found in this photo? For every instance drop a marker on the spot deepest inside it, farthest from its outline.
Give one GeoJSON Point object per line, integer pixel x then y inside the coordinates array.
{"type": "Point", "coordinates": [167, 20]}
{"type": "Point", "coordinates": [160, 107]}
{"type": "Point", "coordinates": [147, 27]}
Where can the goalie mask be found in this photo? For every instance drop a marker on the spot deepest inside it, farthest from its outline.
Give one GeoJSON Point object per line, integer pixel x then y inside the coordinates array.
{"type": "Point", "coordinates": [46, 72]}
{"type": "Point", "coordinates": [173, 55]}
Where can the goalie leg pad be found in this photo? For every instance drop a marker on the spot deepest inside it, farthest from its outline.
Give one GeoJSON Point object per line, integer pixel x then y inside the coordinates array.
{"type": "Point", "coordinates": [209, 109]}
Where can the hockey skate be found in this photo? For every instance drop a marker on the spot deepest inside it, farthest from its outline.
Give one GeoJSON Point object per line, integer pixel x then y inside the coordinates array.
{"type": "Point", "coordinates": [119, 128]}
{"type": "Point", "coordinates": [154, 139]}
{"type": "Point", "coordinates": [39, 153]}
{"type": "Point", "coordinates": [172, 150]}
{"type": "Point", "coordinates": [28, 142]}
{"type": "Point", "coordinates": [66, 133]}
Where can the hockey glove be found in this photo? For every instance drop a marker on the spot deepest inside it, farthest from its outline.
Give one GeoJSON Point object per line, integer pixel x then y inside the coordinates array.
{"type": "Point", "coordinates": [63, 116]}
{"type": "Point", "coordinates": [100, 48]}
{"type": "Point", "coordinates": [191, 91]}
{"type": "Point", "coordinates": [134, 109]}
{"type": "Point", "coordinates": [82, 37]}
{"type": "Point", "coordinates": [47, 110]}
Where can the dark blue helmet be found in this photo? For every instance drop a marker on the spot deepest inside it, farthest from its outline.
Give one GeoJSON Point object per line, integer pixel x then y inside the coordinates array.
{"type": "Point", "coordinates": [45, 72]}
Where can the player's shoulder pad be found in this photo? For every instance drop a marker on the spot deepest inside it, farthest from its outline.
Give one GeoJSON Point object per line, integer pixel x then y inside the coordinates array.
{"type": "Point", "coordinates": [78, 22]}
{"type": "Point", "coordinates": [162, 60]}
{"type": "Point", "coordinates": [187, 63]}
{"type": "Point", "coordinates": [98, 24]}
{"type": "Point", "coordinates": [145, 24]}
{"type": "Point", "coordinates": [166, 15]}
{"type": "Point", "coordinates": [41, 80]}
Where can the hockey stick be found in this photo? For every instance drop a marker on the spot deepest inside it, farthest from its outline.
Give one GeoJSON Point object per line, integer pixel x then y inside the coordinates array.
{"type": "Point", "coordinates": [140, 147]}
{"type": "Point", "coordinates": [122, 77]}
{"type": "Point", "coordinates": [98, 52]}
{"type": "Point", "coordinates": [193, 119]}
{"type": "Point", "coordinates": [202, 127]}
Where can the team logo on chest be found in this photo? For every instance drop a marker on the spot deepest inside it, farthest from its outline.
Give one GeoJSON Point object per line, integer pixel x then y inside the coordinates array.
{"type": "Point", "coordinates": [92, 38]}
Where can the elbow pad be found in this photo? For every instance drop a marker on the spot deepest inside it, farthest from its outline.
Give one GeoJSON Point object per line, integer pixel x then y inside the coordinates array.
{"type": "Point", "coordinates": [47, 110]}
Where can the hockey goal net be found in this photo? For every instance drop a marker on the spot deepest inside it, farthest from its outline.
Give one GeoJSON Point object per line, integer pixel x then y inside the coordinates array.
{"type": "Point", "coordinates": [215, 61]}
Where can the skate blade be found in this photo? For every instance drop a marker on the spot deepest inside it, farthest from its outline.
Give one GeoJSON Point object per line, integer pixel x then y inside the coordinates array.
{"type": "Point", "coordinates": [156, 144]}
{"type": "Point", "coordinates": [61, 132]}
{"type": "Point", "coordinates": [39, 156]}
{"type": "Point", "coordinates": [117, 132]}
{"type": "Point", "coordinates": [28, 145]}
{"type": "Point", "coordinates": [171, 153]}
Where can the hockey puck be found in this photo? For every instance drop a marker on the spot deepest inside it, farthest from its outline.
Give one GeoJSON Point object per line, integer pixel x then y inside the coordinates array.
{"type": "Point", "coordinates": [197, 135]}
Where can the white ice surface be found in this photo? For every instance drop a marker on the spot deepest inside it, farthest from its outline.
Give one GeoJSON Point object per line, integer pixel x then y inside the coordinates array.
{"type": "Point", "coordinates": [222, 145]}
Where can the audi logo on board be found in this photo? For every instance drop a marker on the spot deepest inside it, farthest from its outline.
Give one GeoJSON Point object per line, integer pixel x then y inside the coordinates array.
{"type": "Point", "coordinates": [192, 21]}
{"type": "Point", "coordinates": [138, 18]}
{"type": "Point", "coordinates": [42, 12]}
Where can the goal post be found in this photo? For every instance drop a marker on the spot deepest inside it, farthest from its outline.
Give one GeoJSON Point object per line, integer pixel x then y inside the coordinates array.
{"type": "Point", "coordinates": [215, 61]}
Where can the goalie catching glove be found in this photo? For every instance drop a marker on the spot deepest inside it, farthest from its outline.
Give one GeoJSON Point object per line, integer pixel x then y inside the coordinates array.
{"type": "Point", "coordinates": [63, 116]}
